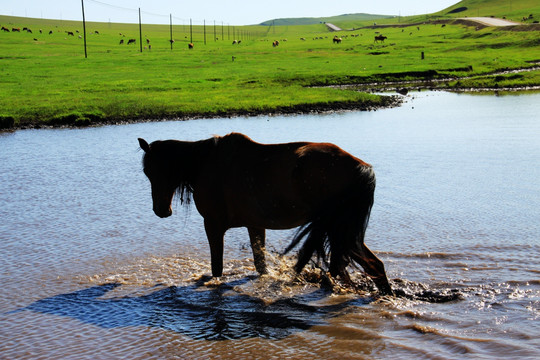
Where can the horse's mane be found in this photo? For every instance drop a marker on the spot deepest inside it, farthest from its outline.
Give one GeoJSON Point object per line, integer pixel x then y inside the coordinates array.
{"type": "Point", "coordinates": [185, 156]}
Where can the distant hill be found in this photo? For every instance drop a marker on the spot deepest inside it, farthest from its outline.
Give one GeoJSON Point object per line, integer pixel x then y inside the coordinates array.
{"type": "Point", "coordinates": [516, 9]}
{"type": "Point", "coordinates": [320, 20]}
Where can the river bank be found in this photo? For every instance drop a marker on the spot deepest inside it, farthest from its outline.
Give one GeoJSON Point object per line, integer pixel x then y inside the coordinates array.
{"type": "Point", "coordinates": [504, 80]}
{"type": "Point", "coordinates": [498, 81]}
{"type": "Point", "coordinates": [86, 120]}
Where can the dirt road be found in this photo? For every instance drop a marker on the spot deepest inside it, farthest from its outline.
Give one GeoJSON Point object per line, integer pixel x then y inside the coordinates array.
{"type": "Point", "coordinates": [491, 21]}
{"type": "Point", "coordinates": [333, 27]}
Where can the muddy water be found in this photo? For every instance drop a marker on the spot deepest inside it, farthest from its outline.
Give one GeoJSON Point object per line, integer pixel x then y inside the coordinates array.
{"type": "Point", "coordinates": [87, 271]}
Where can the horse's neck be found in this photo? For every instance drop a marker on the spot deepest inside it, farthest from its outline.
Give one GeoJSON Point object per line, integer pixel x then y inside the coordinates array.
{"type": "Point", "coordinates": [189, 157]}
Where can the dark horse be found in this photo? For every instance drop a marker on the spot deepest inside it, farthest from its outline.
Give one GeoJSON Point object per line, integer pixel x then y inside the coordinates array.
{"type": "Point", "coordinates": [236, 182]}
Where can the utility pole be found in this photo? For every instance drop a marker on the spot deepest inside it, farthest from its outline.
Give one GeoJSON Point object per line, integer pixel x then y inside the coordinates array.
{"type": "Point", "coordinates": [140, 30]}
{"type": "Point", "coordinates": [171, 31]}
{"type": "Point", "coordinates": [84, 29]}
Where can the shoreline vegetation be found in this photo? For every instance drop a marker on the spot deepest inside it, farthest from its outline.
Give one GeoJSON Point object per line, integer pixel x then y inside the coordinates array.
{"type": "Point", "coordinates": [264, 70]}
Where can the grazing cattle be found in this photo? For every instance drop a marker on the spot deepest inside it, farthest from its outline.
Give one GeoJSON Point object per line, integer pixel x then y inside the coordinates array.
{"type": "Point", "coordinates": [121, 41]}
{"type": "Point", "coordinates": [147, 41]}
{"type": "Point", "coordinates": [50, 32]}
{"type": "Point", "coordinates": [337, 40]}
{"type": "Point", "coordinates": [275, 43]}
{"type": "Point", "coordinates": [190, 46]}
{"type": "Point", "coordinates": [5, 29]}
{"type": "Point", "coordinates": [380, 38]}
{"type": "Point", "coordinates": [132, 41]}
{"type": "Point", "coordinates": [16, 29]}
{"type": "Point", "coordinates": [235, 42]}
{"type": "Point", "coordinates": [70, 33]}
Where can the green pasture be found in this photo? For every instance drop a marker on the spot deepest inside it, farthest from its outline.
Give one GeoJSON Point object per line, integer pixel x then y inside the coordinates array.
{"type": "Point", "coordinates": [46, 79]}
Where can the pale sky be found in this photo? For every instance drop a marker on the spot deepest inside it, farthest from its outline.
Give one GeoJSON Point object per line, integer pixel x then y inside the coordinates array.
{"type": "Point", "coordinates": [243, 12]}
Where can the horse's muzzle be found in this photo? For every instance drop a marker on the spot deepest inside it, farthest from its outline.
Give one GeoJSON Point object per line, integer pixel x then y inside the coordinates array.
{"type": "Point", "coordinates": [163, 213]}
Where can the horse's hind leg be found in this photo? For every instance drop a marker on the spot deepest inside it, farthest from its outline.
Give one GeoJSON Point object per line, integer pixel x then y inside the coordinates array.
{"type": "Point", "coordinates": [374, 267]}
{"type": "Point", "coordinates": [257, 238]}
{"type": "Point", "coordinates": [338, 262]}
{"type": "Point", "coordinates": [313, 243]}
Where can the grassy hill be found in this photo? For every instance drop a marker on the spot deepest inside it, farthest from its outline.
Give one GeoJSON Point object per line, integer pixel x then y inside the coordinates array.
{"type": "Point", "coordinates": [511, 9]}
{"type": "Point", "coordinates": [346, 18]}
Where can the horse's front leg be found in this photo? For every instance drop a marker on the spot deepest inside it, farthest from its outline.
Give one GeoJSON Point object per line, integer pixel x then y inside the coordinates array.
{"type": "Point", "coordinates": [215, 234]}
{"type": "Point", "coordinates": [258, 240]}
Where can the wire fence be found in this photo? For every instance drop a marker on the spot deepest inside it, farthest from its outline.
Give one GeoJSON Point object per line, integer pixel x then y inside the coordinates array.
{"type": "Point", "coordinates": [158, 18]}
{"type": "Point", "coordinates": [192, 29]}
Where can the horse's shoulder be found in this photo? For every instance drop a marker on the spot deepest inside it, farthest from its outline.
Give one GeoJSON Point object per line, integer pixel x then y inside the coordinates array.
{"type": "Point", "coordinates": [235, 137]}
{"type": "Point", "coordinates": [235, 140]}
{"type": "Point", "coordinates": [317, 148]}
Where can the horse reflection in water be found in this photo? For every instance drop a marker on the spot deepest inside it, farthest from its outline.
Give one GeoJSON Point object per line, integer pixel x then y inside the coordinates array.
{"type": "Point", "coordinates": [236, 182]}
{"type": "Point", "coordinates": [197, 311]}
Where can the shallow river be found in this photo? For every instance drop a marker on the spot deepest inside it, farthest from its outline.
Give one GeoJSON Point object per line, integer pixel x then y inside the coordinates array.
{"type": "Point", "coordinates": [87, 271]}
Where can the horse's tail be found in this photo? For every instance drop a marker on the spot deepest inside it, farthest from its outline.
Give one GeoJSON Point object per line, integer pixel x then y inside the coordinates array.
{"type": "Point", "coordinates": [338, 228]}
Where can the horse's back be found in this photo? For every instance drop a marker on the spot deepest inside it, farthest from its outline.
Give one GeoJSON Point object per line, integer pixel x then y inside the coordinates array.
{"type": "Point", "coordinates": [324, 171]}
{"type": "Point", "coordinates": [283, 183]}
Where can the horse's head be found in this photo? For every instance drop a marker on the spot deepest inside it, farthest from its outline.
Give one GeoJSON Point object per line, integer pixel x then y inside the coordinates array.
{"type": "Point", "coordinates": [158, 170]}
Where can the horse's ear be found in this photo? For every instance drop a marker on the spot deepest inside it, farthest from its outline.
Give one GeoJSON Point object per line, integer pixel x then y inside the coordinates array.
{"type": "Point", "coordinates": [144, 145]}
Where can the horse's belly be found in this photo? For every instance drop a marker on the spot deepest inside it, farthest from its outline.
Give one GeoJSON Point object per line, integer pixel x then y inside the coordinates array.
{"type": "Point", "coordinates": [276, 214]}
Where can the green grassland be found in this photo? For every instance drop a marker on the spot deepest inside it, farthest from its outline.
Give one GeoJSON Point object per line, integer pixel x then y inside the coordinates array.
{"type": "Point", "coordinates": [46, 79]}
